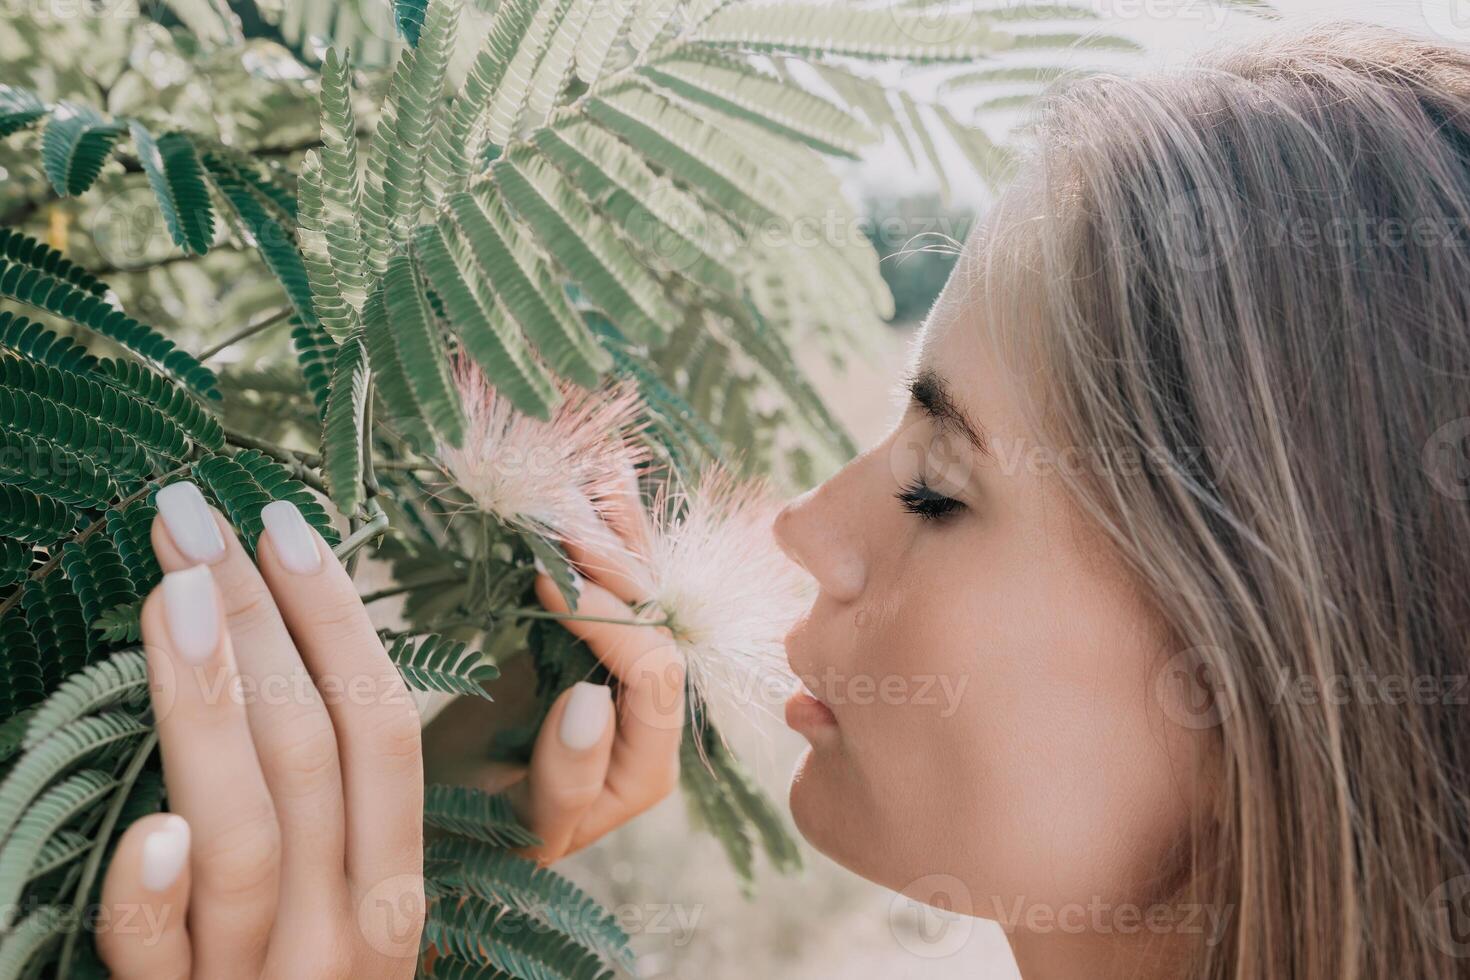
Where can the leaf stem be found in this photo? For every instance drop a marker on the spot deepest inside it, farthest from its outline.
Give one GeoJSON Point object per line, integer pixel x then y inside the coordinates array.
{"type": "Point", "coordinates": [99, 847]}
{"type": "Point", "coordinates": [374, 526]}
{"type": "Point", "coordinates": [388, 593]}
{"type": "Point", "coordinates": [247, 332]}
{"type": "Point", "coordinates": [546, 614]}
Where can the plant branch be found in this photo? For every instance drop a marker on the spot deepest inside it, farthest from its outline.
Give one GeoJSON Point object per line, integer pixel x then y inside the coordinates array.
{"type": "Point", "coordinates": [375, 526]}
{"type": "Point", "coordinates": [546, 614]}
{"type": "Point", "coordinates": [400, 589]}
{"type": "Point", "coordinates": [99, 846]}
{"type": "Point", "coordinates": [12, 600]}
{"type": "Point", "coordinates": [249, 331]}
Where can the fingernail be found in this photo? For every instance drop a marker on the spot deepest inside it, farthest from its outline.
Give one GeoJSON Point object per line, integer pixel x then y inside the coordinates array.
{"type": "Point", "coordinates": [190, 522]}
{"type": "Point", "coordinates": [165, 852]}
{"type": "Point", "coordinates": [193, 616]}
{"type": "Point", "coordinates": [291, 536]}
{"type": "Point", "coordinates": [539, 565]}
{"type": "Point", "coordinates": [585, 718]}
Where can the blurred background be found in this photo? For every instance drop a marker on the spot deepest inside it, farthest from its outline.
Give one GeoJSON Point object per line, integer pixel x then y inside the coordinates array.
{"type": "Point", "coordinates": [689, 918]}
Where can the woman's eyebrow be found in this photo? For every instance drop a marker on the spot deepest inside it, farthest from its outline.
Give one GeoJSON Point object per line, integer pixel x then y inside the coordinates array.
{"type": "Point", "coordinates": [930, 392]}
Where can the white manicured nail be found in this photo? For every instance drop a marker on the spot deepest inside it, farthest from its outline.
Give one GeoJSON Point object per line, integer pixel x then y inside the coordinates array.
{"type": "Point", "coordinates": [585, 718]}
{"type": "Point", "coordinates": [292, 537]}
{"type": "Point", "coordinates": [192, 612]}
{"type": "Point", "coordinates": [190, 522]}
{"type": "Point", "coordinates": [539, 564]}
{"type": "Point", "coordinates": [165, 852]}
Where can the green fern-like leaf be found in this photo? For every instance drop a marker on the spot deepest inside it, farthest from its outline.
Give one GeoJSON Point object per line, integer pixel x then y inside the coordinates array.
{"type": "Point", "coordinates": [69, 745]}
{"type": "Point", "coordinates": [121, 678]}
{"type": "Point", "coordinates": [138, 419]}
{"type": "Point", "coordinates": [338, 317]}
{"type": "Point", "coordinates": [420, 347]}
{"type": "Point", "coordinates": [19, 108]}
{"type": "Point", "coordinates": [269, 224]}
{"type": "Point", "coordinates": [391, 382]}
{"type": "Point", "coordinates": [672, 225]}
{"type": "Point", "coordinates": [33, 518]}
{"type": "Point", "coordinates": [15, 561]}
{"type": "Point", "coordinates": [523, 282]}
{"type": "Point", "coordinates": [54, 615]}
{"type": "Point", "coordinates": [341, 183]}
{"type": "Point", "coordinates": [693, 150]}
{"type": "Point", "coordinates": [505, 879]}
{"type": "Point", "coordinates": [316, 353]}
{"type": "Point", "coordinates": [75, 145]}
{"type": "Point", "coordinates": [22, 681]}
{"type": "Point", "coordinates": [46, 468]}
{"type": "Point", "coordinates": [30, 939]}
{"type": "Point", "coordinates": [733, 87]}
{"type": "Point", "coordinates": [885, 33]}
{"type": "Point", "coordinates": [458, 142]}
{"type": "Point", "coordinates": [477, 931]}
{"type": "Point", "coordinates": [486, 332]}
{"type": "Point", "coordinates": [586, 246]}
{"type": "Point", "coordinates": [20, 248]}
{"type": "Point", "coordinates": [130, 529]}
{"type": "Point", "coordinates": [438, 663]}
{"type": "Point", "coordinates": [31, 285]}
{"type": "Point", "coordinates": [343, 424]}
{"type": "Point", "coordinates": [197, 422]}
{"type": "Point", "coordinates": [97, 574]}
{"type": "Point", "coordinates": [31, 340]}
{"type": "Point", "coordinates": [121, 624]}
{"type": "Point", "coordinates": [21, 857]}
{"type": "Point", "coordinates": [476, 814]}
{"type": "Point", "coordinates": [177, 179]}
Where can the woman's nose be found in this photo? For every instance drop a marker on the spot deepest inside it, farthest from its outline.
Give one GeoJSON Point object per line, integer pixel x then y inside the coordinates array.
{"type": "Point", "coordinates": [814, 533]}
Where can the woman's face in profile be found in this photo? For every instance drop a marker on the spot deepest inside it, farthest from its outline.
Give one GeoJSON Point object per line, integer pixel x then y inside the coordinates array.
{"type": "Point", "coordinates": [991, 736]}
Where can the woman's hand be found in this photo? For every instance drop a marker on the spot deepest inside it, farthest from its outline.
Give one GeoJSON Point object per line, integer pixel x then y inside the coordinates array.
{"type": "Point", "coordinates": [291, 755]}
{"type": "Point", "coordinates": [590, 772]}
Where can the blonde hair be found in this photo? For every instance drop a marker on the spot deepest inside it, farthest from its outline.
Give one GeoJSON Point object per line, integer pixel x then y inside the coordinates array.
{"type": "Point", "coordinates": [1255, 276]}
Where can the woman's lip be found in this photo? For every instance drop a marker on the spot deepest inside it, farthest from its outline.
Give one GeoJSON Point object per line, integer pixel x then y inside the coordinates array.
{"type": "Point", "coordinates": [805, 712]}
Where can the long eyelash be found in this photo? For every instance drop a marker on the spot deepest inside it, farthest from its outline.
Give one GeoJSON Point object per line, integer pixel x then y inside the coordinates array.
{"type": "Point", "coordinates": [924, 501]}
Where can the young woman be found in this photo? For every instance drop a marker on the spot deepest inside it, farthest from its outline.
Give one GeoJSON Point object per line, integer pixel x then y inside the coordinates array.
{"type": "Point", "coordinates": [1179, 507]}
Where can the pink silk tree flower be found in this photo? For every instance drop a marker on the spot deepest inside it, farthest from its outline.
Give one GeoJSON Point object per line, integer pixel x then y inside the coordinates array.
{"type": "Point", "coordinates": [540, 475]}
{"type": "Point", "coordinates": [728, 591]}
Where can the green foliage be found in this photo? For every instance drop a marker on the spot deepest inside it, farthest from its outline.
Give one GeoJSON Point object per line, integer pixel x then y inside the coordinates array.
{"type": "Point", "coordinates": [606, 192]}
{"type": "Point", "coordinates": [441, 664]}
{"type": "Point", "coordinates": [475, 814]}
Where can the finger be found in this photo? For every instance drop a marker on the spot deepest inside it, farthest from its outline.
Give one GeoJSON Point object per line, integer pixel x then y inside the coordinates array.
{"type": "Point", "coordinates": [568, 768]}
{"type": "Point", "coordinates": [374, 716]}
{"type": "Point", "coordinates": [292, 731]}
{"type": "Point", "coordinates": [644, 766]}
{"type": "Point", "coordinates": [612, 549]}
{"type": "Point", "coordinates": [624, 512]}
{"type": "Point", "coordinates": [145, 901]}
{"type": "Point", "coordinates": [213, 775]}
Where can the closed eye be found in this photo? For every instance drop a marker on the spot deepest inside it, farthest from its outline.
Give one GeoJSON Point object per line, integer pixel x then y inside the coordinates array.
{"type": "Point", "coordinates": [924, 501]}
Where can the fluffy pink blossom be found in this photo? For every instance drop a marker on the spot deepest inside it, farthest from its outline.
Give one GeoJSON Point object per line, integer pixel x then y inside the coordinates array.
{"type": "Point", "coordinates": [729, 592]}
{"type": "Point", "coordinates": [542, 475]}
